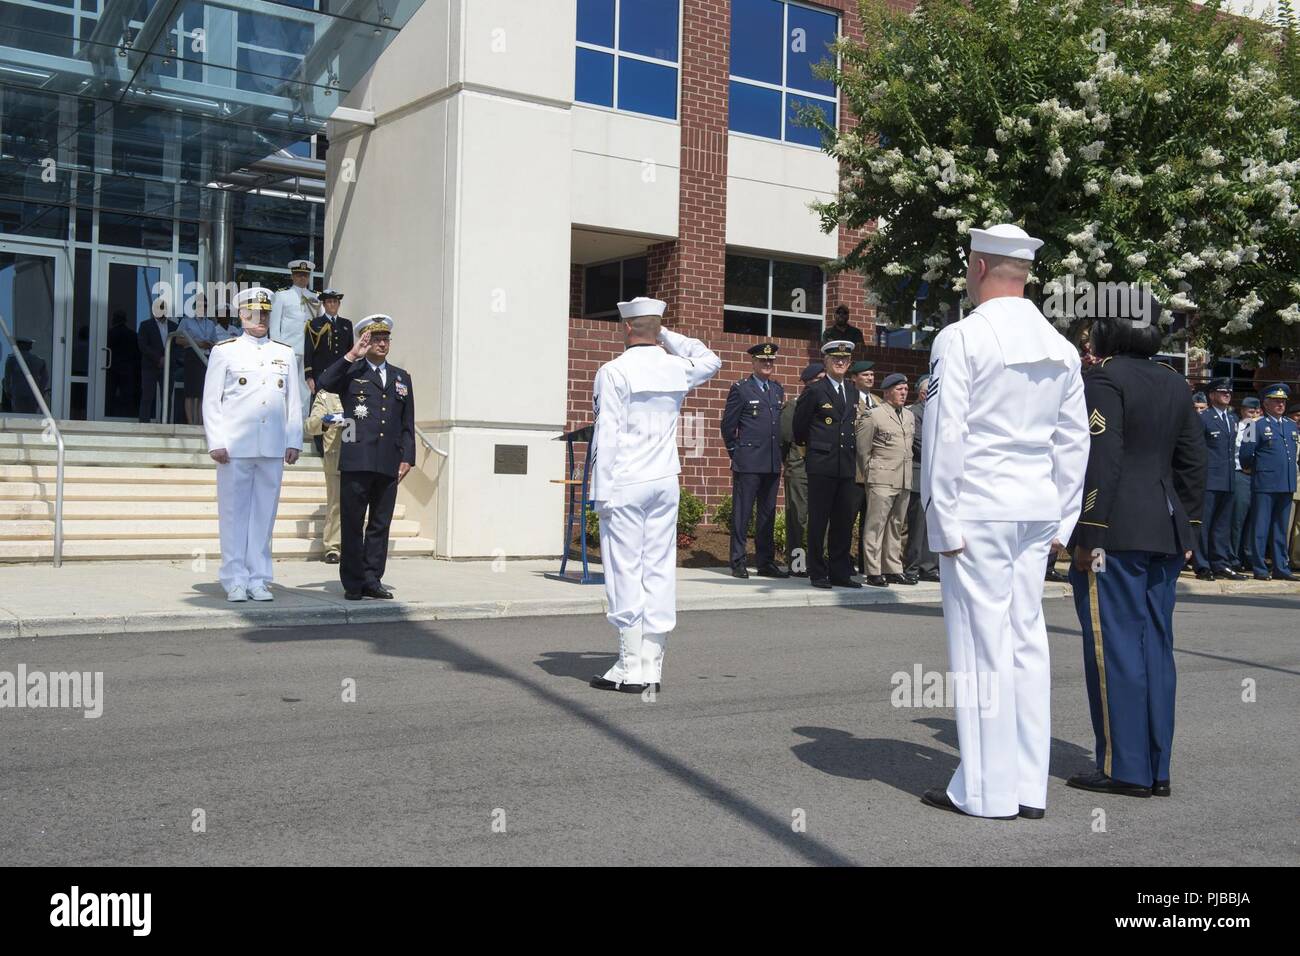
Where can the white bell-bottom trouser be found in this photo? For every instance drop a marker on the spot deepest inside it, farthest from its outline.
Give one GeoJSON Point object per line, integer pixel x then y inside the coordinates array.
{"type": "Point", "coordinates": [997, 648]}
{"type": "Point", "coordinates": [638, 551]}
{"type": "Point", "coordinates": [248, 494]}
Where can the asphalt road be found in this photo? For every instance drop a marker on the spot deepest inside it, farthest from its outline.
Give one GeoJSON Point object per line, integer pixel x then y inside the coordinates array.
{"type": "Point", "coordinates": [479, 742]}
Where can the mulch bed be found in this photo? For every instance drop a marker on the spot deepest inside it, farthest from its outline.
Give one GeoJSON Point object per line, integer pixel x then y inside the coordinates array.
{"type": "Point", "coordinates": [710, 549]}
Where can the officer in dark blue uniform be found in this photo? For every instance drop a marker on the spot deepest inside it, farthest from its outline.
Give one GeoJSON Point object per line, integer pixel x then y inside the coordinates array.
{"type": "Point", "coordinates": [825, 417]}
{"type": "Point", "coordinates": [751, 430]}
{"type": "Point", "coordinates": [1269, 450]}
{"type": "Point", "coordinates": [1219, 428]}
{"type": "Point", "coordinates": [1142, 500]}
{"type": "Point", "coordinates": [379, 405]}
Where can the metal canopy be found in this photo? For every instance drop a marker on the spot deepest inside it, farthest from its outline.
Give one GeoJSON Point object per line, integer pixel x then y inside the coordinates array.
{"type": "Point", "coordinates": [186, 91]}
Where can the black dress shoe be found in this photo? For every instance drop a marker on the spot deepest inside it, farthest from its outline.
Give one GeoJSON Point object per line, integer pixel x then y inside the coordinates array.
{"type": "Point", "coordinates": [1204, 575]}
{"type": "Point", "coordinates": [1280, 576]}
{"type": "Point", "coordinates": [740, 572]}
{"type": "Point", "coordinates": [1263, 577]}
{"type": "Point", "coordinates": [1056, 576]}
{"type": "Point", "coordinates": [352, 595]}
{"type": "Point", "coordinates": [877, 581]}
{"type": "Point", "coordinates": [845, 583]}
{"type": "Point", "coordinates": [1228, 575]}
{"type": "Point", "coordinates": [1160, 788]}
{"type": "Point", "coordinates": [377, 591]}
{"type": "Point", "coordinates": [798, 574]}
{"type": "Point", "coordinates": [931, 576]}
{"type": "Point", "coordinates": [939, 800]}
{"type": "Point", "coordinates": [1098, 782]}
{"type": "Point", "coordinates": [773, 571]}
{"type": "Point", "coordinates": [824, 583]}
{"type": "Point", "coordinates": [601, 684]}
{"type": "Point", "coordinates": [899, 579]}
{"type": "Point", "coordinates": [1031, 813]}
{"type": "Point", "coordinates": [332, 558]}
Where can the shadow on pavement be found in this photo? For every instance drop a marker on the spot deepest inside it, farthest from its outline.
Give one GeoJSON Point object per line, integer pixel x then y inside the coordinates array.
{"type": "Point", "coordinates": [580, 665]}
{"type": "Point", "coordinates": [906, 765]}
{"type": "Point", "coordinates": [427, 644]}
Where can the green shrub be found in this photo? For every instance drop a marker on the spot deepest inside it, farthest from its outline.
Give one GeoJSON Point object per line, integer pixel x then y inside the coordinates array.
{"type": "Point", "coordinates": [593, 527]}
{"type": "Point", "coordinates": [724, 513]}
{"type": "Point", "coordinates": [778, 532]}
{"type": "Point", "coordinates": [690, 512]}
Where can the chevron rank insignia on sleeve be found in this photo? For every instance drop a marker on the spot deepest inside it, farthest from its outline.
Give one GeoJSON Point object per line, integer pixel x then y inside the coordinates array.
{"type": "Point", "coordinates": [1096, 423]}
{"type": "Point", "coordinates": [1090, 501]}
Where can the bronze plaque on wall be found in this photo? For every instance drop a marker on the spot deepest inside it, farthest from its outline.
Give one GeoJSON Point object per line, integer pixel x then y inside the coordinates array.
{"type": "Point", "coordinates": [511, 460]}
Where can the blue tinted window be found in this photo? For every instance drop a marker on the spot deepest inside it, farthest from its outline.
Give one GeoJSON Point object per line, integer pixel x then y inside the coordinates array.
{"type": "Point", "coordinates": [647, 88]}
{"type": "Point", "coordinates": [595, 77]}
{"type": "Point", "coordinates": [596, 22]}
{"type": "Point", "coordinates": [755, 110]}
{"type": "Point", "coordinates": [756, 39]}
{"type": "Point", "coordinates": [649, 27]}
{"type": "Point", "coordinates": [778, 43]}
{"type": "Point", "coordinates": [808, 135]}
{"type": "Point", "coordinates": [807, 34]}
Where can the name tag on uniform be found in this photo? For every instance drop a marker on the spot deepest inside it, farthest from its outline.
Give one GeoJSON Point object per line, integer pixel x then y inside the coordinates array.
{"type": "Point", "coordinates": [280, 363]}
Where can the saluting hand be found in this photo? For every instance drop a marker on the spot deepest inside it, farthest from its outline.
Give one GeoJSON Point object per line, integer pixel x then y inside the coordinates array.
{"type": "Point", "coordinates": [360, 347]}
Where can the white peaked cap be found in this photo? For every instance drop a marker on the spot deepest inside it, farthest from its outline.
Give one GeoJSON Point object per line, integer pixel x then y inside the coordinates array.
{"type": "Point", "coordinates": [1004, 240]}
{"type": "Point", "coordinates": [641, 306]}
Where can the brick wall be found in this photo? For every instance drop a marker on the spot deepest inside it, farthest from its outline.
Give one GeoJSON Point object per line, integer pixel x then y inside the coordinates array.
{"type": "Point", "coordinates": [689, 273]}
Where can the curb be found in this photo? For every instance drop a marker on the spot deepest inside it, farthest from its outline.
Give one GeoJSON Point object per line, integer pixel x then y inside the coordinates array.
{"type": "Point", "coordinates": [328, 609]}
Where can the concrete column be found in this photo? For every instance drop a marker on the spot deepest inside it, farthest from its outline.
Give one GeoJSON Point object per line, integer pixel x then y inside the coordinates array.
{"type": "Point", "coordinates": [452, 214]}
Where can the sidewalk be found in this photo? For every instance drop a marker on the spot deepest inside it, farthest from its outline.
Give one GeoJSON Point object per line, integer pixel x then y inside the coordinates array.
{"type": "Point", "coordinates": [136, 597]}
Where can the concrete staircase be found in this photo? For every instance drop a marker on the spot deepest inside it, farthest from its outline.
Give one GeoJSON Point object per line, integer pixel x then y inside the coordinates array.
{"type": "Point", "coordinates": [145, 492]}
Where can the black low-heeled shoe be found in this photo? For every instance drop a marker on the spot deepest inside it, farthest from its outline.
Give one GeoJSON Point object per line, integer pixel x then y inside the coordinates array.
{"type": "Point", "coordinates": [940, 800]}
{"type": "Point", "coordinates": [1098, 782]}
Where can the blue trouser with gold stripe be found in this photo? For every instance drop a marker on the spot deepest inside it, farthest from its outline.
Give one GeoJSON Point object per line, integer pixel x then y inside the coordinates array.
{"type": "Point", "coordinates": [1126, 610]}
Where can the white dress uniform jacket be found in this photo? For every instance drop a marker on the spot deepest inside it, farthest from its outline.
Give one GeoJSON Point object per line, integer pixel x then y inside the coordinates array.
{"type": "Point", "coordinates": [252, 409]}
{"type": "Point", "coordinates": [291, 310]}
{"type": "Point", "coordinates": [637, 399]}
{"type": "Point", "coordinates": [1003, 457]}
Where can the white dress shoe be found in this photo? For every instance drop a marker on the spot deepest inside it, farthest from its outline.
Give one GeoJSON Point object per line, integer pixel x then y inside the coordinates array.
{"type": "Point", "coordinates": [237, 593]}
{"type": "Point", "coordinates": [262, 593]}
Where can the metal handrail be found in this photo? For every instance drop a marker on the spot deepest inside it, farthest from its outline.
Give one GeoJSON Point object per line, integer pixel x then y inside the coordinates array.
{"type": "Point", "coordinates": [429, 445]}
{"type": "Point", "coordinates": [165, 417]}
{"type": "Point", "coordinates": [58, 437]}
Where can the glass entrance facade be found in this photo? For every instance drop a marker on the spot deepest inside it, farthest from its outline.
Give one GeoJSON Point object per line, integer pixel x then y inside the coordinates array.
{"type": "Point", "coordinates": [158, 141]}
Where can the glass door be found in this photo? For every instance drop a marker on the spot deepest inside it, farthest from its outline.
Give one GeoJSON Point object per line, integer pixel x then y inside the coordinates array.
{"type": "Point", "coordinates": [128, 374]}
{"type": "Point", "coordinates": [30, 280]}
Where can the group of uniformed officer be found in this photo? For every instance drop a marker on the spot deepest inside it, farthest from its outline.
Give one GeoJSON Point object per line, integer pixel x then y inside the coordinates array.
{"type": "Point", "coordinates": [846, 455]}
{"type": "Point", "coordinates": [362, 410]}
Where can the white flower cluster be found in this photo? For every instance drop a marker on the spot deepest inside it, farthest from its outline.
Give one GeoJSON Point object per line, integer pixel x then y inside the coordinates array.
{"type": "Point", "coordinates": [1063, 114]}
{"type": "Point", "coordinates": [1291, 314]}
{"type": "Point", "coordinates": [991, 157]}
{"type": "Point", "coordinates": [1092, 152]}
{"type": "Point", "coordinates": [1277, 137]}
{"type": "Point", "coordinates": [1056, 163]}
{"type": "Point", "coordinates": [1241, 321]}
{"type": "Point", "coordinates": [934, 266]}
{"type": "Point", "coordinates": [1161, 97]}
{"type": "Point", "coordinates": [1160, 52]}
{"type": "Point", "coordinates": [1091, 187]}
{"type": "Point", "coordinates": [1232, 114]}
{"type": "Point", "coordinates": [1136, 260]}
{"type": "Point", "coordinates": [1210, 157]}
{"type": "Point", "coordinates": [1010, 126]}
{"type": "Point", "coordinates": [945, 212]}
{"type": "Point", "coordinates": [1121, 180]}
{"type": "Point", "coordinates": [894, 269]}
{"type": "Point", "coordinates": [901, 182]}
{"type": "Point", "coordinates": [1181, 302]}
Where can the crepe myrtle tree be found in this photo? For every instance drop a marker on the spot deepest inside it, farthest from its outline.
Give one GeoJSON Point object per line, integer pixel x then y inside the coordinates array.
{"type": "Point", "coordinates": [1152, 143]}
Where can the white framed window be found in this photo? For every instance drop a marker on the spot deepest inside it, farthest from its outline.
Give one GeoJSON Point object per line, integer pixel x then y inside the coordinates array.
{"type": "Point", "coordinates": [773, 297]}
{"type": "Point", "coordinates": [774, 46]}
{"type": "Point", "coordinates": [628, 55]}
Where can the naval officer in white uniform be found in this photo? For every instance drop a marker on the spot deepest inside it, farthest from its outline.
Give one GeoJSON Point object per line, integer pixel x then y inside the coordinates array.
{"type": "Point", "coordinates": [634, 485]}
{"type": "Point", "coordinates": [292, 310]}
{"type": "Point", "coordinates": [252, 414]}
{"type": "Point", "coordinates": [1003, 459]}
